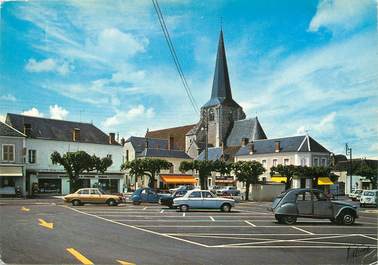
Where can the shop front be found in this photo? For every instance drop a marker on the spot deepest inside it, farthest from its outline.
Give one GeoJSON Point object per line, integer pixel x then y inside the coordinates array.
{"type": "Point", "coordinates": [11, 179]}
{"type": "Point", "coordinates": [225, 181]}
{"type": "Point", "coordinates": [168, 181]}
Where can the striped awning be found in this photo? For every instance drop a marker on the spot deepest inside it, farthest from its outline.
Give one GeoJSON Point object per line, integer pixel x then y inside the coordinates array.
{"type": "Point", "coordinates": [11, 171]}
{"type": "Point", "coordinates": [324, 181]}
{"type": "Point", "coordinates": [279, 179]}
{"type": "Point", "coordinates": [178, 179]}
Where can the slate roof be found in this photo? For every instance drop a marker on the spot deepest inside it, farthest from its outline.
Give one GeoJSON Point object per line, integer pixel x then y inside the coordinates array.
{"type": "Point", "coordinates": [221, 91]}
{"type": "Point", "coordinates": [248, 128]}
{"type": "Point", "coordinates": [139, 143]}
{"type": "Point", "coordinates": [178, 134]}
{"type": "Point", "coordinates": [287, 144]}
{"type": "Point", "coordinates": [216, 153]}
{"type": "Point", "coordinates": [151, 152]}
{"type": "Point", "coordinates": [59, 130]}
{"type": "Point", "coordinates": [6, 130]}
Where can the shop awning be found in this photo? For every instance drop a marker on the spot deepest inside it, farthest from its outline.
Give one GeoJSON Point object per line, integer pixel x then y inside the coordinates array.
{"type": "Point", "coordinates": [178, 179]}
{"type": "Point", "coordinates": [230, 181]}
{"type": "Point", "coordinates": [324, 181]}
{"type": "Point", "coordinates": [278, 179]}
{"type": "Point", "coordinates": [11, 171]}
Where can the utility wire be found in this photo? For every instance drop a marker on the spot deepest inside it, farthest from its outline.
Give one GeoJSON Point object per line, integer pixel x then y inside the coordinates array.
{"type": "Point", "coordinates": [174, 55]}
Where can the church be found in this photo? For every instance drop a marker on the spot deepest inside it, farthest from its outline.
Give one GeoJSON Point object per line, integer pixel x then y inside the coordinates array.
{"type": "Point", "coordinates": [222, 119]}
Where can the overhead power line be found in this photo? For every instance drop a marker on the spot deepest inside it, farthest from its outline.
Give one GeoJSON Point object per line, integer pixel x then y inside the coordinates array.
{"type": "Point", "coordinates": [174, 55]}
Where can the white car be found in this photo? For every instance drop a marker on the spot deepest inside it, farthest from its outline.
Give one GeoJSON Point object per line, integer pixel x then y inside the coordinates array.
{"type": "Point", "coordinates": [203, 199]}
{"type": "Point", "coordinates": [355, 194]}
{"type": "Point", "coordinates": [369, 197]}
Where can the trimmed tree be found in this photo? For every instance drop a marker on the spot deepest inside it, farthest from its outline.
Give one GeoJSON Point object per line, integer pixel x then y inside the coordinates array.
{"type": "Point", "coordinates": [286, 171]}
{"type": "Point", "coordinates": [149, 167]}
{"type": "Point", "coordinates": [76, 163]}
{"type": "Point", "coordinates": [364, 170]}
{"type": "Point", "coordinates": [203, 167]}
{"type": "Point", "coordinates": [222, 167]}
{"type": "Point", "coordinates": [248, 172]}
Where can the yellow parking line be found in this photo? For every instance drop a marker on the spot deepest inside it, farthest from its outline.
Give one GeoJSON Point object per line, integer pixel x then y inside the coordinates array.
{"type": "Point", "coordinates": [122, 262]}
{"type": "Point", "coordinates": [79, 256]}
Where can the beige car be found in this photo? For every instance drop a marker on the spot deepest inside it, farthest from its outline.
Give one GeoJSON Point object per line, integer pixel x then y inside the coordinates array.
{"type": "Point", "coordinates": [92, 195]}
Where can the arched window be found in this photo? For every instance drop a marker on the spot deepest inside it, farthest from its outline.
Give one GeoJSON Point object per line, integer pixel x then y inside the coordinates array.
{"type": "Point", "coordinates": [211, 115]}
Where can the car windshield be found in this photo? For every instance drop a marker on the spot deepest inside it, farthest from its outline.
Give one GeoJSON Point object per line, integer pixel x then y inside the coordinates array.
{"type": "Point", "coordinates": [368, 193]}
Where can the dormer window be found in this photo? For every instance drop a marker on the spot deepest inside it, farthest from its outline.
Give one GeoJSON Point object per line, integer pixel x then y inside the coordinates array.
{"type": "Point", "coordinates": [211, 115]}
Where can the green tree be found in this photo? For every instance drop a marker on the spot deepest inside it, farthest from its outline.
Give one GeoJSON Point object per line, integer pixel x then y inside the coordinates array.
{"type": "Point", "coordinates": [248, 172]}
{"type": "Point", "coordinates": [286, 171]}
{"type": "Point", "coordinates": [146, 167]}
{"type": "Point", "coordinates": [76, 163]}
{"type": "Point", "coordinates": [364, 170]}
{"type": "Point", "coordinates": [222, 167]}
{"type": "Point", "coordinates": [203, 167]}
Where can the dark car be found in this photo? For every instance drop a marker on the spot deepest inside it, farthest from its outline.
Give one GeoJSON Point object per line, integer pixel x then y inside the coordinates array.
{"type": "Point", "coordinates": [168, 200]}
{"type": "Point", "coordinates": [145, 195]}
{"type": "Point", "coordinates": [311, 203]}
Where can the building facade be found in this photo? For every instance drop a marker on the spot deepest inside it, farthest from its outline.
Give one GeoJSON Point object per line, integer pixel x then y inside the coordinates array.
{"type": "Point", "coordinates": [44, 136]}
{"type": "Point", "coordinates": [12, 161]}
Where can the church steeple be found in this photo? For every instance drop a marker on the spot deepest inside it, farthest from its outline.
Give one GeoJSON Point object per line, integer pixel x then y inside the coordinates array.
{"type": "Point", "coordinates": [221, 91]}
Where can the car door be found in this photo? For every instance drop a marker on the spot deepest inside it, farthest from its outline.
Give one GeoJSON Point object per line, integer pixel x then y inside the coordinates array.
{"type": "Point", "coordinates": [323, 206]}
{"type": "Point", "coordinates": [95, 196]}
{"type": "Point", "coordinates": [152, 196]}
{"type": "Point", "coordinates": [208, 200]}
{"type": "Point", "coordinates": [84, 195]}
{"type": "Point", "coordinates": [304, 203]}
{"type": "Point", "coordinates": [144, 195]}
{"type": "Point", "coordinates": [195, 199]}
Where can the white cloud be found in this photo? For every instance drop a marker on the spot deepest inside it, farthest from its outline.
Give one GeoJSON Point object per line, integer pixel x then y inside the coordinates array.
{"type": "Point", "coordinates": [343, 14]}
{"type": "Point", "coordinates": [57, 112]}
{"type": "Point", "coordinates": [33, 112]}
{"type": "Point", "coordinates": [326, 125]}
{"type": "Point", "coordinates": [8, 97]}
{"type": "Point", "coordinates": [47, 65]}
{"type": "Point", "coordinates": [138, 112]}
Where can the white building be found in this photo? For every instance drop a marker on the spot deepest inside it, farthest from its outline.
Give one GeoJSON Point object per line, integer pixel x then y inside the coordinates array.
{"type": "Point", "coordinates": [44, 136]}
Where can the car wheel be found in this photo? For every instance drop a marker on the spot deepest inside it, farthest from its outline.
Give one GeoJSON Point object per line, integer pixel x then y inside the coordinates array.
{"type": "Point", "coordinates": [226, 207]}
{"type": "Point", "coordinates": [362, 205]}
{"type": "Point", "coordinates": [76, 203]}
{"type": "Point", "coordinates": [289, 219]}
{"type": "Point", "coordinates": [112, 203]}
{"type": "Point", "coordinates": [184, 208]}
{"type": "Point", "coordinates": [278, 218]}
{"type": "Point", "coordinates": [346, 218]}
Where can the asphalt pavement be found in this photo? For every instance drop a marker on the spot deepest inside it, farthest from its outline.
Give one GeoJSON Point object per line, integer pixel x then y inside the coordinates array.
{"type": "Point", "coordinates": [150, 234]}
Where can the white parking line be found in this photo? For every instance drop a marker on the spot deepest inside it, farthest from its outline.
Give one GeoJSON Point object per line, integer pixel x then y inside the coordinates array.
{"type": "Point", "coordinates": [162, 211]}
{"type": "Point", "coordinates": [211, 218]}
{"type": "Point", "coordinates": [144, 208]}
{"type": "Point", "coordinates": [305, 231]}
{"type": "Point", "coordinates": [249, 223]}
{"type": "Point", "coordinates": [183, 214]}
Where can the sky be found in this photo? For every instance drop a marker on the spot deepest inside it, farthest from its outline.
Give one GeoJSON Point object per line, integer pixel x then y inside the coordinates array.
{"type": "Point", "coordinates": [300, 66]}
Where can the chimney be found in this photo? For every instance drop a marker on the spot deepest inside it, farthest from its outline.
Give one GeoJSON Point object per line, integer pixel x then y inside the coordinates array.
{"type": "Point", "coordinates": [123, 141]}
{"type": "Point", "coordinates": [244, 141]}
{"type": "Point", "coordinates": [111, 138]}
{"type": "Point", "coordinates": [171, 143]}
{"type": "Point", "coordinates": [27, 129]}
{"type": "Point", "coordinates": [76, 134]}
{"type": "Point", "coordinates": [251, 147]}
{"type": "Point", "coordinates": [277, 146]}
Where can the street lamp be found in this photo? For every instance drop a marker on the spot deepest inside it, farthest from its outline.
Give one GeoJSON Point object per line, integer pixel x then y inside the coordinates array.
{"type": "Point", "coordinates": [348, 151]}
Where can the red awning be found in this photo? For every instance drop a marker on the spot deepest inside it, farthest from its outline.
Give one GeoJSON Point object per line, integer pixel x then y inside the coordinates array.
{"type": "Point", "coordinates": [178, 179]}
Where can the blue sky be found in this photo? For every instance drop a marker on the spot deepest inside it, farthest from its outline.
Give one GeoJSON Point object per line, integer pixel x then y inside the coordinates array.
{"type": "Point", "coordinates": [298, 65]}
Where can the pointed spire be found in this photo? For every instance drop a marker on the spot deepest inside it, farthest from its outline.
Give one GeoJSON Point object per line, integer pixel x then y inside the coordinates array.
{"type": "Point", "coordinates": [221, 90]}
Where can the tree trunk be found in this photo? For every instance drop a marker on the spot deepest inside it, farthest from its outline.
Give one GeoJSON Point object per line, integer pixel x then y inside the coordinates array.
{"type": "Point", "coordinates": [74, 184]}
{"type": "Point", "coordinates": [288, 183]}
{"type": "Point", "coordinates": [247, 190]}
{"type": "Point", "coordinates": [151, 181]}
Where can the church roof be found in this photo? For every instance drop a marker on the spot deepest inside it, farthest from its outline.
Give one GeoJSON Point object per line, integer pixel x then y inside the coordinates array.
{"type": "Point", "coordinates": [248, 128]}
{"type": "Point", "coordinates": [221, 91]}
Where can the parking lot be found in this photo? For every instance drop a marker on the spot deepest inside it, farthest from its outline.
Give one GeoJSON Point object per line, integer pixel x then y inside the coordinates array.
{"type": "Point", "coordinates": [249, 225]}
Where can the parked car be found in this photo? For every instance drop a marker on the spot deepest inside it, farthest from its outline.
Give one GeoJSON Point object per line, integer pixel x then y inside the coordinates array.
{"type": "Point", "coordinates": [228, 191]}
{"type": "Point", "coordinates": [311, 203]}
{"type": "Point", "coordinates": [215, 188]}
{"type": "Point", "coordinates": [354, 194]}
{"type": "Point", "coordinates": [369, 198]}
{"type": "Point", "coordinates": [168, 200]}
{"type": "Point", "coordinates": [182, 187]}
{"type": "Point", "coordinates": [92, 195]}
{"type": "Point", "coordinates": [146, 195]}
{"type": "Point", "coordinates": [203, 199]}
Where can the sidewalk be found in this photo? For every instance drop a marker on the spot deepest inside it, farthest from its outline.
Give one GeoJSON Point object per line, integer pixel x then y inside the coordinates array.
{"type": "Point", "coordinates": [48, 200]}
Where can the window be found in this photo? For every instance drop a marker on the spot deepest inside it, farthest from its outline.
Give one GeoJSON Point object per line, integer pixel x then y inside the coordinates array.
{"type": "Point", "coordinates": [211, 115]}
{"type": "Point", "coordinates": [303, 162]}
{"type": "Point", "coordinates": [86, 191]}
{"type": "Point", "coordinates": [274, 162]}
{"type": "Point", "coordinates": [263, 162]}
{"type": "Point", "coordinates": [324, 162]}
{"type": "Point", "coordinates": [286, 161]}
{"type": "Point", "coordinates": [8, 152]}
{"type": "Point", "coordinates": [316, 162]}
{"type": "Point", "coordinates": [206, 194]}
{"type": "Point", "coordinates": [95, 192]}
{"type": "Point", "coordinates": [32, 154]}
{"type": "Point", "coordinates": [319, 196]}
{"type": "Point", "coordinates": [171, 169]}
{"type": "Point", "coordinates": [109, 156]}
{"type": "Point", "coordinates": [127, 155]}
{"type": "Point", "coordinates": [195, 194]}
{"type": "Point", "coordinates": [304, 196]}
